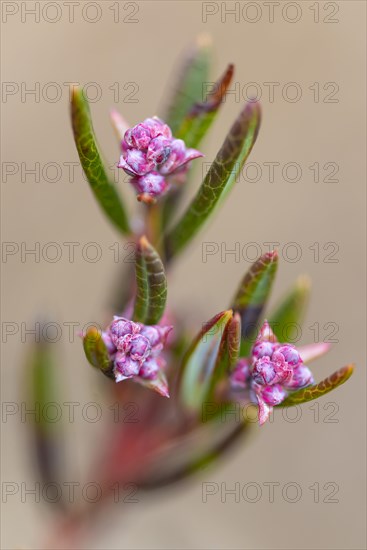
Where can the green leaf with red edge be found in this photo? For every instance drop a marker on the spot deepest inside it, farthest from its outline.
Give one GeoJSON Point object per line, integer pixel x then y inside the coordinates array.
{"type": "Point", "coordinates": [206, 361]}
{"type": "Point", "coordinates": [219, 180]}
{"type": "Point", "coordinates": [96, 352]}
{"type": "Point", "coordinates": [318, 390]}
{"type": "Point", "coordinates": [93, 166]}
{"type": "Point", "coordinates": [192, 452]}
{"type": "Point", "coordinates": [192, 75]}
{"type": "Point", "coordinates": [286, 319]}
{"type": "Point", "coordinates": [252, 296]}
{"type": "Point", "coordinates": [199, 119]}
{"type": "Point", "coordinates": [151, 284]}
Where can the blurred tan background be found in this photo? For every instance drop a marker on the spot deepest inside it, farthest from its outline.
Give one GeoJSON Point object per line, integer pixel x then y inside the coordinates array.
{"type": "Point", "coordinates": [311, 130]}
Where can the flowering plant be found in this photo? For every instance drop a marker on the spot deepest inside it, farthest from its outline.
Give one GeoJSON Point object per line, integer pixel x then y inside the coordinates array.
{"type": "Point", "coordinates": [236, 356]}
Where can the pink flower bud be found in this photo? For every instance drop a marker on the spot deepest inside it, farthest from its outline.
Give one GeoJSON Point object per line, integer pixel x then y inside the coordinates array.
{"type": "Point", "coordinates": [139, 348]}
{"type": "Point", "coordinates": [149, 153]}
{"type": "Point", "coordinates": [263, 371]}
{"type": "Point", "coordinates": [241, 374]}
{"type": "Point", "coordinates": [125, 366]}
{"type": "Point", "coordinates": [153, 184]}
{"type": "Point", "coordinates": [158, 150]}
{"type": "Point", "coordinates": [290, 354]}
{"type": "Point", "coordinates": [262, 349]}
{"type": "Point", "coordinates": [282, 369]}
{"type": "Point", "coordinates": [157, 127]}
{"type": "Point", "coordinates": [150, 369]}
{"type": "Point", "coordinates": [301, 377]}
{"type": "Point", "coordinates": [273, 395]}
{"type": "Point", "coordinates": [136, 352]}
{"type": "Point", "coordinates": [135, 163]}
{"type": "Point", "coordinates": [119, 329]}
{"type": "Point", "coordinates": [179, 157]}
{"type": "Point", "coordinates": [138, 137]}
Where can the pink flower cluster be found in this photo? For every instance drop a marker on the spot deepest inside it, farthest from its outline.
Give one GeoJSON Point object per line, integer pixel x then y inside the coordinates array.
{"type": "Point", "coordinates": [135, 348]}
{"type": "Point", "coordinates": [150, 155]}
{"type": "Point", "coordinates": [271, 372]}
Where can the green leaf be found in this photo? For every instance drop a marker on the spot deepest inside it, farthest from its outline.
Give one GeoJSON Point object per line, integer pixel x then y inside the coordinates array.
{"type": "Point", "coordinates": [93, 166]}
{"type": "Point", "coordinates": [96, 351]}
{"type": "Point", "coordinates": [320, 389]}
{"type": "Point", "coordinates": [196, 450]}
{"type": "Point", "coordinates": [234, 340]}
{"type": "Point", "coordinates": [287, 317]}
{"type": "Point", "coordinates": [219, 180]}
{"type": "Point", "coordinates": [42, 388]}
{"type": "Point", "coordinates": [197, 122]}
{"type": "Point", "coordinates": [205, 362]}
{"type": "Point", "coordinates": [151, 284]}
{"type": "Point", "coordinates": [44, 385]}
{"type": "Point", "coordinates": [252, 296]}
{"type": "Point", "coordinates": [191, 77]}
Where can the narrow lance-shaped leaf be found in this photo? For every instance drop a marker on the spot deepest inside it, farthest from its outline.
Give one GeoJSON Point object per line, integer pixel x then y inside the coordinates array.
{"type": "Point", "coordinates": [192, 452]}
{"type": "Point", "coordinates": [234, 340]}
{"type": "Point", "coordinates": [227, 357]}
{"type": "Point", "coordinates": [93, 166]}
{"type": "Point", "coordinates": [96, 351]}
{"type": "Point", "coordinates": [252, 295]}
{"type": "Point", "coordinates": [41, 389]}
{"type": "Point", "coordinates": [193, 128]}
{"type": "Point", "coordinates": [191, 77]}
{"type": "Point", "coordinates": [197, 122]}
{"type": "Point", "coordinates": [320, 389]}
{"type": "Point", "coordinates": [205, 362]}
{"type": "Point", "coordinates": [285, 321]}
{"type": "Point", "coordinates": [151, 284]}
{"type": "Point", "coordinates": [220, 178]}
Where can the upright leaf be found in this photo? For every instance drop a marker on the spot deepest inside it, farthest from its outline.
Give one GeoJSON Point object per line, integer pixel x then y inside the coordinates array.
{"type": "Point", "coordinates": [192, 75]}
{"type": "Point", "coordinates": [288, 316]}
{"type": "Point", "coordinates": [219, 180]}
{"type": "Point", "coordinates": [151, 284]}
{"type": "Point", "coordinates": [199, 119]}
{"type": "Point", "coordinates": [234, 340]}
{"type": "Point", "coordinates": [41, 390]}
{"type": "Point", "coordinates": [252, 295]}
{"type": "Point", "coordinates": [96, 352]}
{"type": "Point", "coordinates": [93, 166]}
{"type": "Point", "coordinates": [320, 389]}
{"type": "Point", "coordinates": [205, 362]}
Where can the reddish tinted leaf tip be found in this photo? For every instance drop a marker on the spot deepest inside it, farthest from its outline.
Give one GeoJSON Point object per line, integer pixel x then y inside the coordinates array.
{"type": "Point", "coordinates": [143, 242]}
{"type": "Point", "coordinates": [271, 256]}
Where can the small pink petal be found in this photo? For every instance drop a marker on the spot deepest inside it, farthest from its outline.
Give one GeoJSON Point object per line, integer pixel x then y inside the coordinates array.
{"type": "Point", "coordinates": [159, 384]}
{"type": "Point", "coordinates": [313, 351]}
{"type": "Point", "coordinates": [119, 123]}
{"type": "Point", "coordinates": [266, 334]}
{"type": "Point", "coordinates": [125, 166]}
{"type": "Point", "coordinates": [264, 410]}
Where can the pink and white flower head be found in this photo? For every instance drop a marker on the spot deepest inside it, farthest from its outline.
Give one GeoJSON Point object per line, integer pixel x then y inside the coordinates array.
{"type": "Point", "coordinates": [271, 372]}
{"type": "Point", "coordinates": [135, 350]}
{"type": "Point", "coordinates": [150, 155]}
